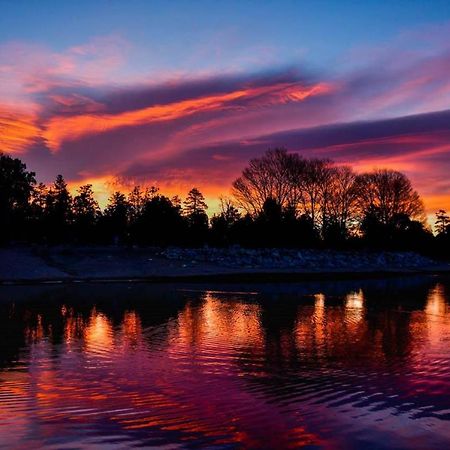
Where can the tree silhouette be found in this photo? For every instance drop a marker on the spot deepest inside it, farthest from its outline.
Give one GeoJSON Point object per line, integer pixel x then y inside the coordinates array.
{"type": "Point", "coordinates": [306, 187]}
{"type": "Point", "coordinates": [59, 210]}
{"type": "Point", "coordinates": [160, 223]}
{"type": "Point", "coordinates": [269, 223]}
{"type": "Point", "coordinates": [84, 204]}
{"type": "Point", "coordinates": [195, 203]}
{"type": "Point", "coordinates": [61, 198]}
{"type": "Point", "coordinates": [283, 200]}
{"type": "Point", "coordinates": [391, 212]}
{"type": "Point", "coordinates": [136, 200]}
{"type": "Point", "coordinates": [340, 203]}
{"type": "Point", "coordinates": [267, 177]}
{"type": "Point", "coordinates": [115, 219]}
{"type": "Point", "coordinates": [85, 213]}
{"type": "Point", "coordinates": [38, 213]}
{"type": "Point", "coordinates": [195, 212]}
{"type": "Point", "coordinates": [16, 186]}
{"type": "Point", "coordinates": [442, 228]}
{"type": "Point", "coordinates": [387, 193]}
{"type": "Point", "coordinates": [442, 224]}
{"type": "Point", "coordinates": [222, 224]}
{"type": "Point", "coordinates": [38, 199]}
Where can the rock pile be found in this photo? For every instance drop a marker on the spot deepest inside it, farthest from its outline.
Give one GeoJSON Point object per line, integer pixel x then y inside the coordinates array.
{"type": "Point", "coordinates": [237, 257]}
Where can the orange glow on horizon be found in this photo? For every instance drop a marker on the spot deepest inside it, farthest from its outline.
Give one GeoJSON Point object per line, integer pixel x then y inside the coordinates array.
{"type": "Point", "coordinates": [105, 186]}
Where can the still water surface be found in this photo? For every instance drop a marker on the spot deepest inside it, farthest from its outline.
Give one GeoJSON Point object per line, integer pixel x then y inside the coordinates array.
{"type": "Point", "coordinates": [348, 365]}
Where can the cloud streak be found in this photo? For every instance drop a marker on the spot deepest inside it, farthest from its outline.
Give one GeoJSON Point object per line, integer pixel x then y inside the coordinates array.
{"type": "Point", "coordinates": [60, 129]}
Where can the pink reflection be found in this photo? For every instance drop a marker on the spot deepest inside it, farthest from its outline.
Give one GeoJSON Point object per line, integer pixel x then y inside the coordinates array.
{"type": "Point", "coordinates": [108, 372]}
{"type": "Point", "coordinates": [217, 372]}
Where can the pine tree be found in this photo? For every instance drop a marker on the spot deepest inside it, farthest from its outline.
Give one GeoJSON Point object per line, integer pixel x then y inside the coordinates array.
{"type": "Point", "coordinates": [195, 203]}
{"type": "Point", "coordinates": [116, 218]}
{"type": "Point", "coordinates": [16, 186]}
{"type": "Point", "coordinates": [136, 199]}
{"type": "Point", "coordinates": [442, 222]}
{"type": "Point", "coordinates": [197, 220]}
{"type": "Point", "coordinates": [58, 210]}
{"type": "Point", "coordinates": [85, 213]}
{"type": "Point", "coordinates": [84, 204]}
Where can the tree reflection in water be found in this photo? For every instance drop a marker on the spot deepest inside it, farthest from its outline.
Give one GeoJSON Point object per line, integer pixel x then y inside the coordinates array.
{"type": "Point", "coordinates": [336, 365]}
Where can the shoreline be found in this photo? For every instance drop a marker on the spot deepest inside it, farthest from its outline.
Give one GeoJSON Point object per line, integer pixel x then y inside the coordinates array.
{"type": "Point", "coordinates": [257, 277]}
{"type": "Point", "coordinates": [77, 265]}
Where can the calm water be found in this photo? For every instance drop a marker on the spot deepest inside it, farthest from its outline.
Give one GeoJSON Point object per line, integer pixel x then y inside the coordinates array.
{"type": "Point", "coordinates": [349, 365]}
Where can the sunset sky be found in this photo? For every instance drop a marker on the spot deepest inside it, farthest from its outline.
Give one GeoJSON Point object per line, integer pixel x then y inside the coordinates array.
{"type": "Point", "coordinates": [184, 93]}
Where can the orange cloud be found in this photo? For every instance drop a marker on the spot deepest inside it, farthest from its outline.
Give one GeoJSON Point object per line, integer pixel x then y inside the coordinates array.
{"type": "Point", "coordinates": [60, 129]}
{"type": "Point", "coordinates": [17, 131]}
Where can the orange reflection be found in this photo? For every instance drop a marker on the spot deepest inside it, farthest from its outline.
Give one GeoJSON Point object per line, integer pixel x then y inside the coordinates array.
{"type": "Point", "coordinates": [337, 330]}
{"type": "Point", "coordinates": [438, 324]}
{"type": "Point", "coordinates": [226, 320]}
{"type": "Point", "coordinates": [354, 307]}
{"type": "Point", "coordinates": [98, 334]}
{"type": "Point", "coordinates": [131, 329]}
{"type": "Point", "coordinates": [35, 333]}
{"type": "Point", "coordinates": [429, 331]}
{"type": "Point", "coordinates": [211, 368]}
{"type": "Point", "coordinates": [73, 329]}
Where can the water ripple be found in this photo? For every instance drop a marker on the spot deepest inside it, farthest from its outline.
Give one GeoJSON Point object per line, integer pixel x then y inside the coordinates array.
{"type": "Point", "coordinates": [236, 369]}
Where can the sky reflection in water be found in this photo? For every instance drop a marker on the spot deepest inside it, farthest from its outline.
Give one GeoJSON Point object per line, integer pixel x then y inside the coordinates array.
{"type": "Point", "coordinates": [362, 364]}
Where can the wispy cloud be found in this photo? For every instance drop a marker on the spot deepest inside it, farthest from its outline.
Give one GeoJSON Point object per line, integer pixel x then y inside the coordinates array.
{"type": "Point", "coordinates": [60, 129]}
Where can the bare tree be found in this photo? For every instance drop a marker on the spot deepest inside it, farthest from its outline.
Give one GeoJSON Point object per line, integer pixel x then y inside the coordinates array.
{"type": "Point", "coordinates": [329, 195]}
{"type": "Point", "coordinates": [312, 183]}
{"type": "Point", "coordinates": [265, 177]}
{"type": "Point", "coordinates": [228, 210]}
{"type": "Point", "coordinates": [306, 186]}
{"type": "Point", "coordinates": [343, 201]}
{"type": "Point", "coordinates": [388, 193]}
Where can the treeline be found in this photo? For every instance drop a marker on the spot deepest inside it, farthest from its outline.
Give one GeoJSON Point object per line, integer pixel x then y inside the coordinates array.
{"type": "Point", "coordinates": [280, 200]}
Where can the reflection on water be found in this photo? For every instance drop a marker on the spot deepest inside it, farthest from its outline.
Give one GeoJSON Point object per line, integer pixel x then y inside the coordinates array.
{"type": "Point", "coordinates": [321, 365]}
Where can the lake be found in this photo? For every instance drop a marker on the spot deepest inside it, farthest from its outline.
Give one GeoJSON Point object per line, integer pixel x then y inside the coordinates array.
{"type": "Point", "coordinates": [349, 364]}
